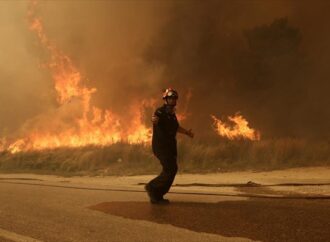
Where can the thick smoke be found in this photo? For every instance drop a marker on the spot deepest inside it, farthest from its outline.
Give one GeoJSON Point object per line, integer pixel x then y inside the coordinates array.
{"type": "Point", "coordinates": [23, 90]}
{"type": "Point", "coordinates": [265, 59]}
{"type": "Point", "coordinates": [104, 40]}
{"type": "Point", "coordinates": [237, 57]}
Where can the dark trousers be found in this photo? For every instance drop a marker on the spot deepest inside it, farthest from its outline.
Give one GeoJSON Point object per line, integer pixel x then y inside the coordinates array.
{"type": "Point", "coordinates": [160, 185]}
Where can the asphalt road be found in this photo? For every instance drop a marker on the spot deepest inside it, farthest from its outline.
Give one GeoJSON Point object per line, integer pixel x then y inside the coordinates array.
{"type": "Point", "coordinates": [44, 213]}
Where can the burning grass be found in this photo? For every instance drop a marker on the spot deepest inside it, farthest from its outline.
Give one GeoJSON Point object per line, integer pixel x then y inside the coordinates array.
{"type": "Point", "coordinates": [197, 157]}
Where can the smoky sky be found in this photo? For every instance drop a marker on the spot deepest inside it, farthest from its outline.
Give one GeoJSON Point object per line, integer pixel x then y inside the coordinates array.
{"type": "Point", "coordinates": [252, 57]}
{"type": "Point", "coordinates": [267, 60]}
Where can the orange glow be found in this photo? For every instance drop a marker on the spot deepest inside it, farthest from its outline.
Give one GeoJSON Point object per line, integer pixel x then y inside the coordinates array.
{"type": "Point", "coordinates": [2, 144]}
{"type": "Point", "coordinates": [184, 114]}
{"type": "Point", "coordinates": [91, 126]}
{"type": "Point", "coordinates": [238, 130]}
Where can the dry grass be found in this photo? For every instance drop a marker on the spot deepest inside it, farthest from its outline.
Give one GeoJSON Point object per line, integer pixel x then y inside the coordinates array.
{"type": "Point", "coordinates": [260, 155]}
{"type": "Point", "coordinates": [194, 157]}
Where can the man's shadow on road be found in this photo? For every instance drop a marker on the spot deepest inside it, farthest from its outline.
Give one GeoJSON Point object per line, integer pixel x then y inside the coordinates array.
{"type": "Point", "coordinates": [258, 219]}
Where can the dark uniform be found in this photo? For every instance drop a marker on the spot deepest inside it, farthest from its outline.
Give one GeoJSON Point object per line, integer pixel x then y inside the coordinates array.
{"type": "Point", "coordinates": [164, 146]}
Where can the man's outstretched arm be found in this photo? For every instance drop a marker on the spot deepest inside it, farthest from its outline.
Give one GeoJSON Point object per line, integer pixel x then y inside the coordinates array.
{"type": "Point", "coordinates": [186, 132]}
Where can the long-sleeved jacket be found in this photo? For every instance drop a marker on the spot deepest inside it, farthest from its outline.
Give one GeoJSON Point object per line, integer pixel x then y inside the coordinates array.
{"type": "Point", "coordinates": [164, 132]}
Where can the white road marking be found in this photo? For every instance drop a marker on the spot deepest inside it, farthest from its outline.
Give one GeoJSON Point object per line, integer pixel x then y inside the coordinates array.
{"type": "Point", "coordinates": [16, 237]}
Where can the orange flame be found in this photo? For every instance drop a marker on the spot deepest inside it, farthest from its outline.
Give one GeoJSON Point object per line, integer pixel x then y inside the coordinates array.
{"type": "Point", "coordinates": [239, 130]}
{"type": "Point", "coordinates": [184, 114]}
{"type": "Point", "coordinates": [2, 144]}
{"type": "Point", "coordinates": [92, 126]}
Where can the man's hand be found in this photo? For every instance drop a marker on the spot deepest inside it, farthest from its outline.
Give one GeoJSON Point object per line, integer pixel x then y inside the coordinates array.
{"type": "Point", "coordinates": [186, 132]}
{"type": "Point", "coordinates": [190, 133]}
{"type": "Point", "coordinates": [154, 119]}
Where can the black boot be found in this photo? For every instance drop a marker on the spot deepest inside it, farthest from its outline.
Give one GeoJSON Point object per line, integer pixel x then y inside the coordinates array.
{"type": "Point", "coordinates": [163, 201]}
{"type": "Point", "coordinates": [153, 198]}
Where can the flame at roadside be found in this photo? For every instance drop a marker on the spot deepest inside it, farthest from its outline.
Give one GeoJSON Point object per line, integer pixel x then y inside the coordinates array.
{"type": "Point", "coordinates": [239, 129]}
{"type": "Point", "coordinates": [88, 125]}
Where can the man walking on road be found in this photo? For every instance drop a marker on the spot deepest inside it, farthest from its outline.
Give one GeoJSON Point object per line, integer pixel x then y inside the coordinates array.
{"type": "Point", "coordinates": [164, 146]}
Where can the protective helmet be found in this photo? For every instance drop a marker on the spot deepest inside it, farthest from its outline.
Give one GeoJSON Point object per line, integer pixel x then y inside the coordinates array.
{"type": "Point", "coordinates": [170, 92]}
